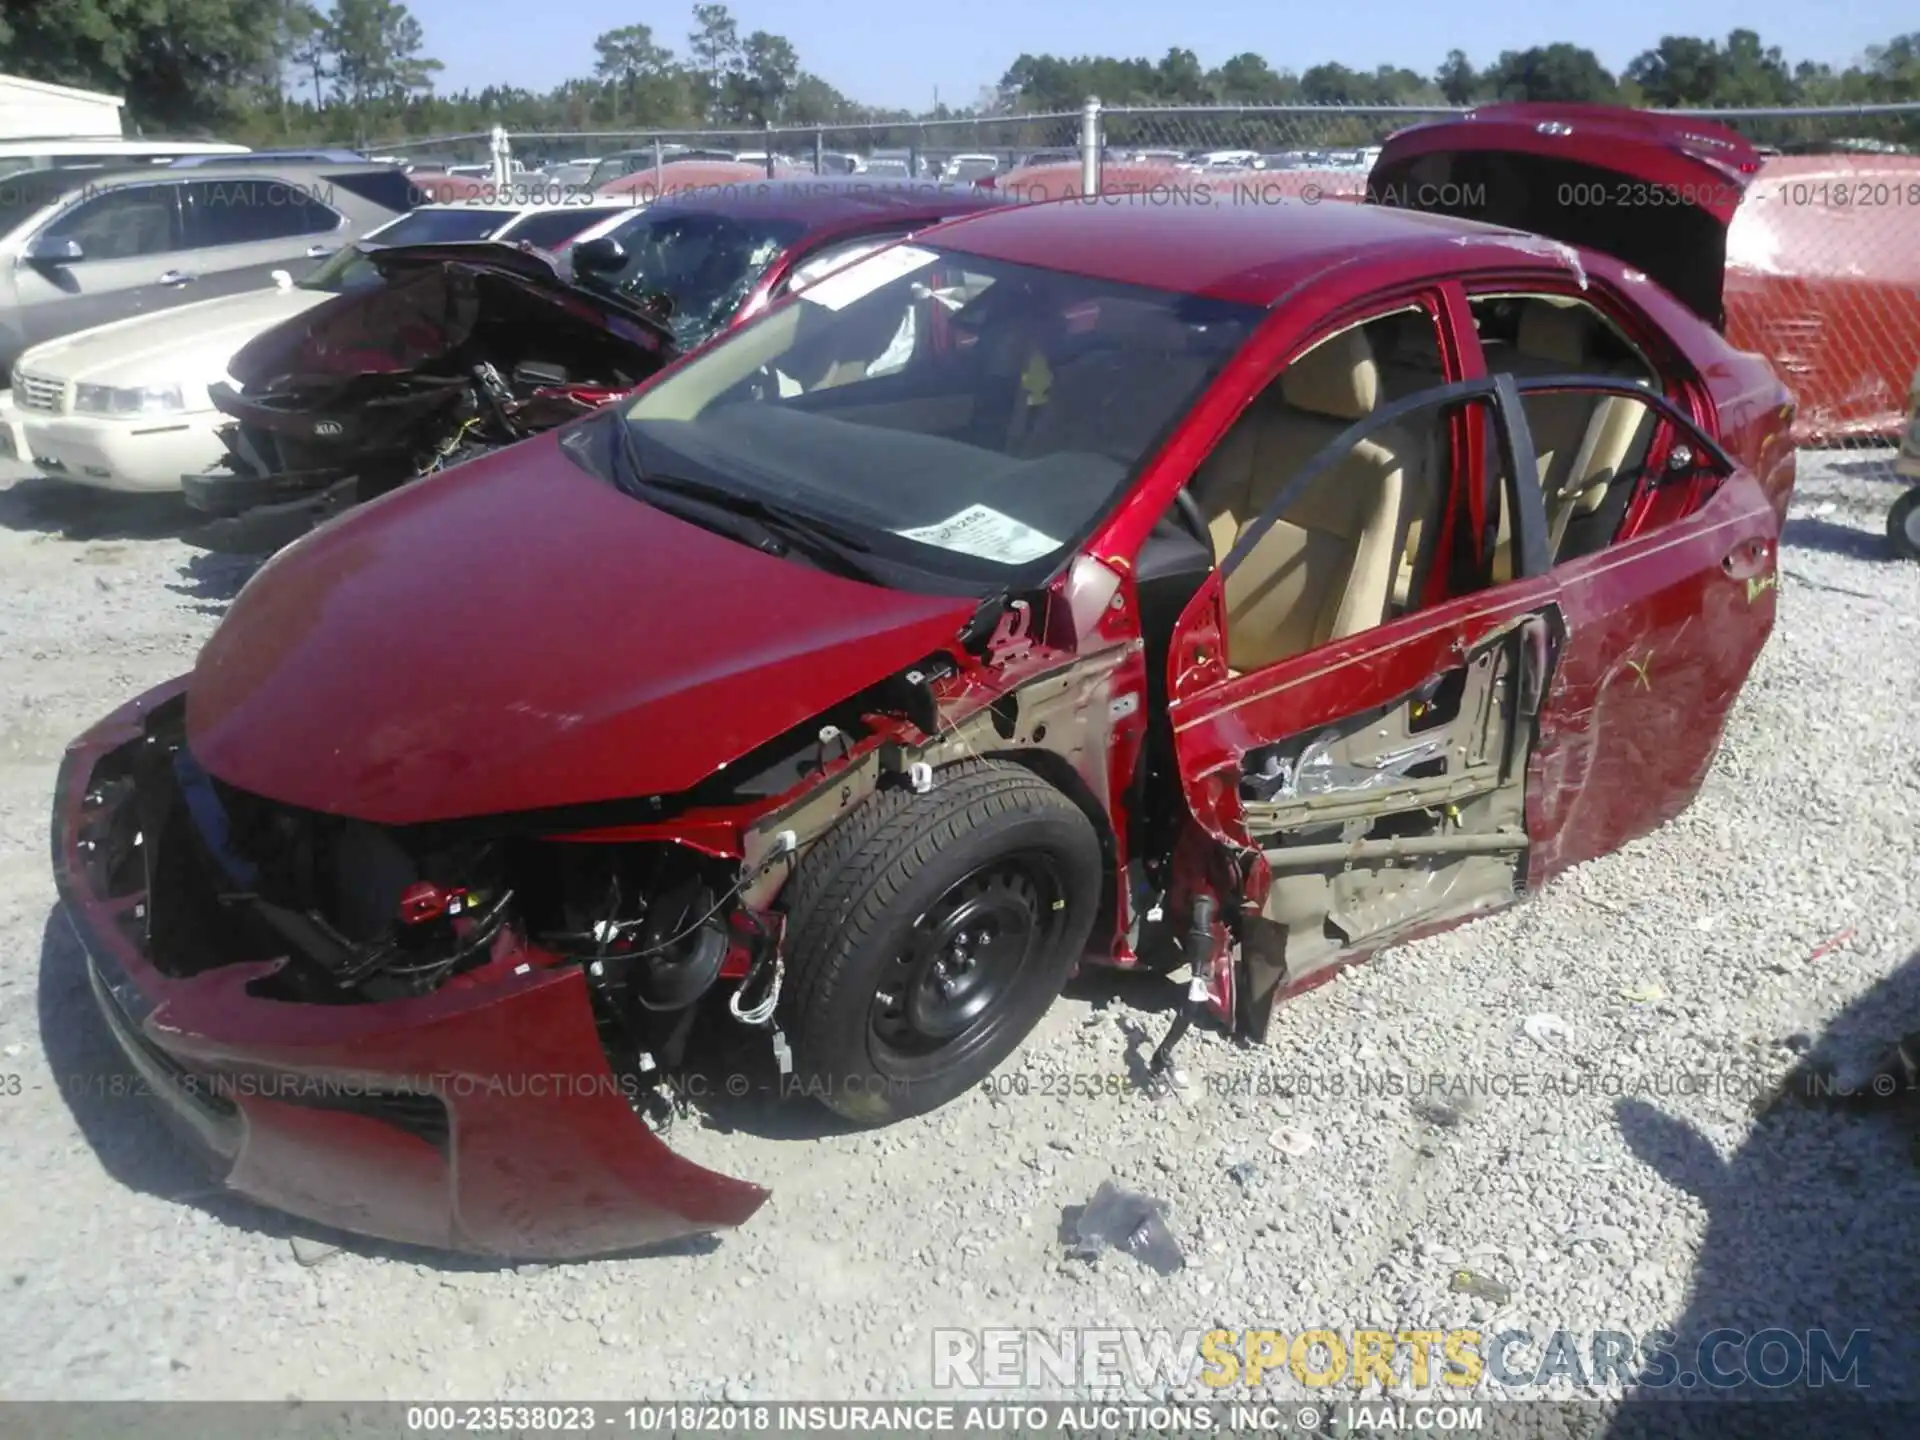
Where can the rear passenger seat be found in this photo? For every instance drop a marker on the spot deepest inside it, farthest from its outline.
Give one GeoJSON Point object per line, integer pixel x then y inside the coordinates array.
{"type": "Point", "coordinates": [1581, 441]}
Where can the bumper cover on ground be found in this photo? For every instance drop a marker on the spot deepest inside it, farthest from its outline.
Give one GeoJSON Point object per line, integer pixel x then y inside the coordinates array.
{"type": "Point", "coordinates": [484, 1119]}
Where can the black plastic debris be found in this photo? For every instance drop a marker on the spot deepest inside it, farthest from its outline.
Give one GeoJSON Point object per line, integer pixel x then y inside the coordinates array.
{"type": "Point", "coordinates": [1438, 1114]}
{"type": "Point", "coordinates": [1123, 1220]}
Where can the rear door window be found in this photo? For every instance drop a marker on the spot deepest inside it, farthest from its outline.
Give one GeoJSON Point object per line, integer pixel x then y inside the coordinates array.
{"type": "Point", "coordinates": [239, 212]}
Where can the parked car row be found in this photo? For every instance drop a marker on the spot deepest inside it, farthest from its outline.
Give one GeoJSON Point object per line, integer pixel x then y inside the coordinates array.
{"type": "Point", "coordinates": [914, 597]}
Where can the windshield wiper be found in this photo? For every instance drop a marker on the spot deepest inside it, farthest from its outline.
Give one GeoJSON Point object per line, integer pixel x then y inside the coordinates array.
{"type": "Point", "coordinates": [781, 529]}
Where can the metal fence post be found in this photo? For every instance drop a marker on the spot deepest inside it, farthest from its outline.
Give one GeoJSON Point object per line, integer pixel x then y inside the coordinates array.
{"type": "Point", "coordinates": [502, 157]}
{"type": "Point", "coordinates": [1090, 146]}
{"type": "Point", "coordinates": [820, 152]}
{"type": "Point", "coordinates": [766, 129]}
{"type": "Point", "coordinates": [659, 157]}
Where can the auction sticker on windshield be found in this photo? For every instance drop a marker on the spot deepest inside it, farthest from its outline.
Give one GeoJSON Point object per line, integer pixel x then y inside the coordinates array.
{"type": "Point", "coordinates": [986, 534]}
{"type": "Point", "coordinates": [841, 288]}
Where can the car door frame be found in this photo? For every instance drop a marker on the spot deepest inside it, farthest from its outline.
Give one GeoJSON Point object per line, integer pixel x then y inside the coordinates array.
{"type": "Point", "coordinates": [1623, 747]}
{"type": "Point", "coordinates": [76, 306]}
{"type": "Point", "coordinates": [255, 261]}
{"type": "Point", "coordinates": [1220, 718]}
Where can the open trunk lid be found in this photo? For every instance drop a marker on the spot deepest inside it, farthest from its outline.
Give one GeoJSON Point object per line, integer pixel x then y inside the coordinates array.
{"type": "Point", "coordinates": [1656, 191]}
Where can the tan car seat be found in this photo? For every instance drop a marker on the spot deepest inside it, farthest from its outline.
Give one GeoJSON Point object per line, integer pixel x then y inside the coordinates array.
{"type": "Point", "coordinates": [1581, 441]}
{"type": "Point", "coordinates": [1325, 569]}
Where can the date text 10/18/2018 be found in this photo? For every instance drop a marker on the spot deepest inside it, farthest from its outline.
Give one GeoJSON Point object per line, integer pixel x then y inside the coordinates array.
{"type": "Point", "coordinates": [686, 1419]}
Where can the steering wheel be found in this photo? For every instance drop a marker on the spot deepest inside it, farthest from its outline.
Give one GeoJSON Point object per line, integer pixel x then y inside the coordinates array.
{"type": "Point", "coordinates": [1189, 511]}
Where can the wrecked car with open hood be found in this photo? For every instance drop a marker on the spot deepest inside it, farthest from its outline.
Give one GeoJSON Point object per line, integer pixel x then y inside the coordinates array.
{"type": "Point", "coordinates": [1183, 591]}
{"type": "Point", "coordinates": [461, 348]}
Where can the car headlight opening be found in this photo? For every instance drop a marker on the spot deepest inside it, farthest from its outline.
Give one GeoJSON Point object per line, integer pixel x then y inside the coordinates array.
{"type": "Point", "coordinates": [128, 399]}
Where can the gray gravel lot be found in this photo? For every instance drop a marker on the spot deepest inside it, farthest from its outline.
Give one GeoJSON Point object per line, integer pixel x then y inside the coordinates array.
{"type": "Point", "coordinates": [1783, 904]}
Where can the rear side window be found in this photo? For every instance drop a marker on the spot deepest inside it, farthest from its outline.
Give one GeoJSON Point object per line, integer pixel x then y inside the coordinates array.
{"type": "Point", "coordinates": [389, 189]}
{"type": "Point", "coordinates": [236, 212]}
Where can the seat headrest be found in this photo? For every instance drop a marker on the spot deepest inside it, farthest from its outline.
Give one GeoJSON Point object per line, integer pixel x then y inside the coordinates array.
{"type": "Point", "coordinates": [1554, 332]}
{"type": "Point", "coordinates": [1338, 377]}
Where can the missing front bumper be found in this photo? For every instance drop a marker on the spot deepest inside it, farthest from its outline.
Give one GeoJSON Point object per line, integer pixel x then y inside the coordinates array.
{"type": "Point", "coordinates": [484, 1120]}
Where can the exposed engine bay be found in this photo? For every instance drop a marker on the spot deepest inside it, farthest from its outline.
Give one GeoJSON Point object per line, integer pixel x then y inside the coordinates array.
{"type": "Point", "coordinates": [455, 354]}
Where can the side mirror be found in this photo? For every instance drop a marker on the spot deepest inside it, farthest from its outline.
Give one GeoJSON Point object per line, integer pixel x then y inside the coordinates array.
{"type": "Point", "coordinates": [46, 250]}
{"type": "Point", "coordinates": [602, 255]}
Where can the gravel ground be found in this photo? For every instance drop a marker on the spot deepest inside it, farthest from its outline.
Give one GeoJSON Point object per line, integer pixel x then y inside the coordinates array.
{"type": "Point", "coordinates": [1781, 906]}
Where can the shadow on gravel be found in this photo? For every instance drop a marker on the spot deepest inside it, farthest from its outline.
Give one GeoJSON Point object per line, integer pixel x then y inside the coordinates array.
{"type": "Point", "coordinates": [135, 1147]}
{"type": "Point", "coordinates": [1811, 532]}
{"type": "Point", "coordinates": [1813, 1226]}
{"type": "Point", "coordinates": [73, 512]}
{"type": "Point", "coordinates": [738, 1089]}
{"type": "Point", "coordinates": [1876, 464]}
{"type": "Point", "coordinates": [214, 580]}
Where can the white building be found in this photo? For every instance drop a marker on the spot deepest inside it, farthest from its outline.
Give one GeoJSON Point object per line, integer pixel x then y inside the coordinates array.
{"type": "Point", "coordinates": [32, 109]}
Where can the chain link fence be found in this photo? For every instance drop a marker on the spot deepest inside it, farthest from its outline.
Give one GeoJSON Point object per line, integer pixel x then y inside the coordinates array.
{"type": "Point", "coordinates": [1823, 257]}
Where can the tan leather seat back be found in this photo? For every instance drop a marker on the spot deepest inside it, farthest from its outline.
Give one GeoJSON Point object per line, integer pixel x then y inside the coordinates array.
{"type": "Point", "coordinates": [1617, 441]}
{"type": "Point", "coordinates": [1325, 568]}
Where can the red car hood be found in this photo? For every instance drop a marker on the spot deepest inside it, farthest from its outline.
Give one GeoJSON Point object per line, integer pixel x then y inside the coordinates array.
{"type": "Point", "coordinates": [1655, 190]}
{"type": "Point", "coordinates": [516, 634]}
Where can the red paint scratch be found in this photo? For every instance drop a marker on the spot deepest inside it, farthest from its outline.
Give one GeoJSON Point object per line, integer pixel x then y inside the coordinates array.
{"type": "Point", "coordinates": [1829, 946]}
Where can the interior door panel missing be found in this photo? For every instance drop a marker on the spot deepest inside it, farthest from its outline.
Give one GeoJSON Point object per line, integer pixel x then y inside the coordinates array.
{"type": "Point", "coordinates": [1401, 816]}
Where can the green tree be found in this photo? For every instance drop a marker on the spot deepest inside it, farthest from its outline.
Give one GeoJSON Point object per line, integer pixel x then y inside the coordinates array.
{"type": "Point", "coordinates": [1551, 72]}
{"type": "Point", "coordinates": [769, 70]}
{"type": "Point", "coordinates": [715, 44]}
{"type": "Point", "coordinates": [375, 45]}
{"type": "Point", "coordinates": [1456, 78]}
{"type": "Point", "coordinates": [642, 75]}
{"type": "Point", "coordinates": [1247, 79]}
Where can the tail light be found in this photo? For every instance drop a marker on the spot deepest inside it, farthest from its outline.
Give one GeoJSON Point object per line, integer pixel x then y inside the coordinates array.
{"type": "Point", "coordinates": [985, 182]}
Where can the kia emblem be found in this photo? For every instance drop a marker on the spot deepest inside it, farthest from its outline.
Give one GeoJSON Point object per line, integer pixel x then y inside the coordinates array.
{"type": "Point", "coordinates": [328, 427]}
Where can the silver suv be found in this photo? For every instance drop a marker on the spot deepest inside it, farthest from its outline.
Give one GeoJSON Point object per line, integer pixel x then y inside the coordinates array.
{"type": "Point", "coordinates": [80, 248]}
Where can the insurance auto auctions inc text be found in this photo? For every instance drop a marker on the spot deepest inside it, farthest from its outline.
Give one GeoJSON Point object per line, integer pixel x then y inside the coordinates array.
{"type": "Point", "coordinates": [1441, 1363]}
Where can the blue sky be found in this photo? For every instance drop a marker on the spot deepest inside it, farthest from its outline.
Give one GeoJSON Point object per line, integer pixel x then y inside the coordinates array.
{"type": "Point", "coordinates": [896, 55]}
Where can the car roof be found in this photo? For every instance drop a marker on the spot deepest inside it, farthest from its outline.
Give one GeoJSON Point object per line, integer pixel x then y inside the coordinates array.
{"type": "Point", "coordinates": [58, 180]}
{"type": "Point", "coordinates": [1242, 250]}
{"type": "Point", "coordinates": [820, 201]}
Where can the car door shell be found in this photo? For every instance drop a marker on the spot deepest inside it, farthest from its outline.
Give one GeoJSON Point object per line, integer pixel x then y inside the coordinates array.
{"type": "Point", "coordinates": [235, 267]}
{"type": "Point", "coordinates": [1565, 636]}
{"type": "Point", "coordinates": [1663, 626]}
{"type": "Point", "coordinates": [56, 299]}
{"type": "Point", "coordinates": [1492, 649]}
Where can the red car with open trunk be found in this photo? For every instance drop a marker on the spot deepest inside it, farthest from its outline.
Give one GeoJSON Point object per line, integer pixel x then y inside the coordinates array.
{"type": "Point", "coordinates": [1232, 588]}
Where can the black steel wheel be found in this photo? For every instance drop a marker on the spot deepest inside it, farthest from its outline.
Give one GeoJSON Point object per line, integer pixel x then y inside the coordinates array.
{"type": "Point", "coordinates": [929, 933]}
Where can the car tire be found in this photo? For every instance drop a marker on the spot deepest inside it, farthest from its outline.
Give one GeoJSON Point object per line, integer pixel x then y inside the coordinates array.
{"type": "Point", "coordinates": [1903, 525]}
{"type": "Point", "coordinates": [928, 934]}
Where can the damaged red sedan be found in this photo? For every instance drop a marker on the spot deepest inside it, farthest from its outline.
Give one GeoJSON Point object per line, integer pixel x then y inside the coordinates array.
{"type": "Point", "coordinates": [1232, 588]}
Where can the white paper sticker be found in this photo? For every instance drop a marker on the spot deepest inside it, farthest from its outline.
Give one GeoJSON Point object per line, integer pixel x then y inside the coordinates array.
{"type": "Point", "coordinates": [841, 288]}
{"type": "Point", "coordinates": [987, 534]}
